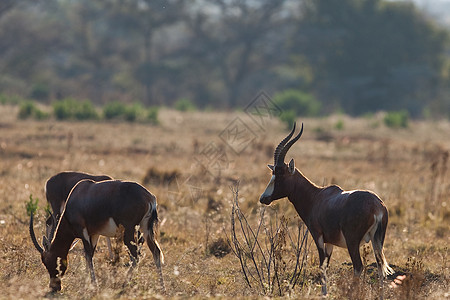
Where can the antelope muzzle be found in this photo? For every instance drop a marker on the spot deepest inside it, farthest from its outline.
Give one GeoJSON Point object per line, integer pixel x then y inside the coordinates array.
{"type": "Point", "coordinates": [55, 284]}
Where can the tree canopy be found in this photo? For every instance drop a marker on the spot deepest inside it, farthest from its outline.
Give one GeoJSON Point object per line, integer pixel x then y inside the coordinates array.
{"type": "Point", "coordinates": [357, 56]}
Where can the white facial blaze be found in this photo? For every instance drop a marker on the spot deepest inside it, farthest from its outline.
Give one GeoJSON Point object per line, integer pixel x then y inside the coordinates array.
{"type": "Point", "coordinates": [58, 266]}
{"type": "Point", "coordinates": [269, 189]}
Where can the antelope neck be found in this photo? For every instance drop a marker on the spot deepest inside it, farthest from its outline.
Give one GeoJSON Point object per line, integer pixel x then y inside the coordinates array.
{"type": "Point", "coordinates": [303, 194]}
{"type": "Point", "coordinates": [61, 243]}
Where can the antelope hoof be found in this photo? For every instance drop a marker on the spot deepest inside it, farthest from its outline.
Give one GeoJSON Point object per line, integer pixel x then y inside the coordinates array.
{"type": "Point", "coordinates": [324, 291]}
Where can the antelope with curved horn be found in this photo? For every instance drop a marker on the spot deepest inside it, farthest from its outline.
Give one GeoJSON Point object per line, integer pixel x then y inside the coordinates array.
{"type": "Point", "coordinates": [57, 189]}
{"type": "Point", "coordinates": [99, 208]}
{"type": "Point", "coordinates": [334, 217]}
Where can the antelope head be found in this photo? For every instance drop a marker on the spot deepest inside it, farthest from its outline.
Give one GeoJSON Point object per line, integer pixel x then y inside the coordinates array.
{"type": "Point", "coordinates": [56, 265]}
{"type": "Point", "coordinates": [281, 184]}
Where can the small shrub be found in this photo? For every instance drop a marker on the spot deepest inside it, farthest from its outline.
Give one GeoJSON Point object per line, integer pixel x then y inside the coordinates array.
{"type": "Point", "coordinates": [64, 109]}
{"type": "Point", "coordinates": [184, 104]}
{"type": "Point", "coordinates": [397, 119]}
{"type": "Point", "coordinates": [32, 205]}
{"type": "Point", "coordinates": [303, 104]}
{"type": "Point", "coordinates": [152, 115]}
{"type": "Point", "coordinates": [85, 111]}
{"type": "Point", "coordinates": [288, 117]}
{"type": "Point", "coordinates": [72, 109]}
{"type": "Point", "coordinates": [113, 110]}
{"type": "Point", "coordinates": [339, 125]}
{"type": "Point", "coordinates": [41, 115]}
{"type": "Point", "coordinates": [132, 112]}
{"type": "Point", "coordinates": [26, 109]}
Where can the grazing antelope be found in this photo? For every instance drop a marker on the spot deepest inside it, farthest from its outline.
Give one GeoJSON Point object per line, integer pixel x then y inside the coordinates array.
{"type": "Point", "coordinates": [57, 189]}
{"type": "Point", "coordinates": [99, 208]}
{"type": "Point", "coordinates": [345, 219]}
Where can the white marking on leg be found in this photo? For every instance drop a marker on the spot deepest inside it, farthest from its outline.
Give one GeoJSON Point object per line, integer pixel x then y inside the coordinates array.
{"type": "Point", "coordinates": [86, 235]}
{"type": "Point", "coordinates": [321, 246]}
{"type": "Point", "coordinates": [341, 241]}
{"type": "Point", "coordinates": [144, 222]}
{"type": "Point", "coordinates": [109, 228]}
{"type": "Point", "coordinates": [328, 249]}
{"type": "Point", "coordinates": [94, 240]}
{"type": "Point", "coordinates": [372, 229]}
{"type": "Point", "coordinates": [161, 254]}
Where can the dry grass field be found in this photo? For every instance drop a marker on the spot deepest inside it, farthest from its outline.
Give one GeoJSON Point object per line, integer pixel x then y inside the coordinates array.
{"type": "Point", "coordinates": [189, 161]}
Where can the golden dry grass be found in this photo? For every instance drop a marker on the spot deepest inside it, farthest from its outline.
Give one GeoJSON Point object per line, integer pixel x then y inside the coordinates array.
{"type": "Point", "coordinates": [407, 168]}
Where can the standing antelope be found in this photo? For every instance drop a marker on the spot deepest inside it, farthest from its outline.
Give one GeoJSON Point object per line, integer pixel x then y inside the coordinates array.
{"type": "Point", "coordinates": [345, 219]}
{"type": "Point", "coordinates": [57, 189]}
{"type": "Point", "coordinates": [99, 208]}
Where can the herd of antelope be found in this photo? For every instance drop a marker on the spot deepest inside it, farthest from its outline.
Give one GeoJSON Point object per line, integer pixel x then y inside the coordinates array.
{"type": "Point", "coordinates": [85, 207]}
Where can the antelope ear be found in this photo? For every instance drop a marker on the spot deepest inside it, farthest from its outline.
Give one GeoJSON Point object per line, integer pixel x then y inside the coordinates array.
{"type": "Point", "coordinates": [291, 167]}
{"type": "Point", "coordinates": [270, 167]}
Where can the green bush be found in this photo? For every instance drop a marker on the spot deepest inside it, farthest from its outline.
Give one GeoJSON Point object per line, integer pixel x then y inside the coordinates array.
{"type": "Point", "coordinates": [72, 109]}
{"type": "Point", "coordinates": [41, 115]}
{"type": "Point", "coordinates": [184, 104]}
{"type": "Point", "coordinates": [339, 124]}
{"type": "Point", "coordinates": [152, 115]}
{"type": "Point", "coordinates": [301, 103]}
{"type": "Point", "coordinates": [132, 112]}
{"type": "Point", "coordinates": [64, 109]}
{"type": "Point", "coordinates": [32, 205]}
{"type": "Point", "coordinates": [396, 119]}
{"type": "Point", "coordinates": [28, 109]}
{"type": "Point", "coordinates": [113, 110]}
{"type": "Point", "coordinates": [85, 110]}
{"type": "Point", "coordinates": [288, 117]}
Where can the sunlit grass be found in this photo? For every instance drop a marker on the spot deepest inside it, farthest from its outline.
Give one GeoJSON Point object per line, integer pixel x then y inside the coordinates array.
{"type": "Point", "coordinates": [406, 167]}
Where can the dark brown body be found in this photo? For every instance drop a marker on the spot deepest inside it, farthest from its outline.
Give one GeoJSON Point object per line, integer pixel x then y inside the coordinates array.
{"type": "Point", "coordinates": [58, 187]}
{"type": "Point", "coordinates": [99, 208]}
{"type": "Point", "coordinates": [334, 217]}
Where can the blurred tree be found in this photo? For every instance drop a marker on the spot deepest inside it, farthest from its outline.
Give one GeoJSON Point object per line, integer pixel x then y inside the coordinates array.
{"type": "Point", "coordinates": [371, 54]}
{"type": "Point", "coordinates": [356, 55]}
{"type": "Point", "coordinates": [7, 5]}
{"type": "Point", "coordinates": [233, 37]}
{"type": "Point", "coordinates": [88, 50]}
{"type": "Point", "coordinates": [138, 22]}
{"type": "Point", "coordinates": [27, 38]}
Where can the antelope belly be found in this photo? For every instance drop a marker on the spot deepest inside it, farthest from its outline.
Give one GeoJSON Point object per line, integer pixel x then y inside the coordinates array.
{"type": "Point", "coordinates": [109, 228]}
{"type": "Point", "coordinates": [340, 242]}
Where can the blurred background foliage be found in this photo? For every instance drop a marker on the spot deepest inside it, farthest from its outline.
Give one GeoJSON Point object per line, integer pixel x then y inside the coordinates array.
{"type": "Point", "coordinates": [313, 56]}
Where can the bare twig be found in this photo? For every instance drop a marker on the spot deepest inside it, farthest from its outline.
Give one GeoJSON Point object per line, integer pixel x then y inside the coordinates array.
{"type": "Point", "coordinates": [261, 255]}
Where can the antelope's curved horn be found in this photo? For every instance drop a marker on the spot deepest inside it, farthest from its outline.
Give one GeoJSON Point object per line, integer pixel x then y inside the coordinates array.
{"type": "Point", "coordinates": [280, 159]}
{"type": "Point", "coordinates": [281, 145]}
{"type": "Point", "coordinates": [33, 236]}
